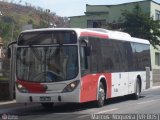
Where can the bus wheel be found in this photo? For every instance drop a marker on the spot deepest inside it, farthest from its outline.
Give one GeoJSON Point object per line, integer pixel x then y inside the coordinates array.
{"type": "Point", "coordinates": [101, 95]}
{"type": "Point", "coordinates": [47, 106]}
{"type": "Point", "coordinates": [136, 95]}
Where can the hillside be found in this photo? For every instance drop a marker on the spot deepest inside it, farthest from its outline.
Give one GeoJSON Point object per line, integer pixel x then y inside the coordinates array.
{"type": "Point", "coordinates": [14, 16]}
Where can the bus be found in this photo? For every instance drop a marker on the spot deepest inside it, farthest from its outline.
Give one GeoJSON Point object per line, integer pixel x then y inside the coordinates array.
{"type": "Point", "coordinates": [75, 65]}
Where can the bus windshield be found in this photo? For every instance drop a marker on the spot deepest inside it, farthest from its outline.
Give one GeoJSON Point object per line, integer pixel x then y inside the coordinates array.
{"type": "Point", "coordinates": [47, 37]}
{"type": "Point", "coordinates": [47, 63]}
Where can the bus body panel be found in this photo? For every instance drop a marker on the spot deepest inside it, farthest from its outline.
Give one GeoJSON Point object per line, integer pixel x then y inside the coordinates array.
{"type": "Point", "coordinates": [52, 87]}
{"type": "Point", "coordinates": [125, 83]}
{"type": "Point", "coordinates": [64, 97]}
{"type": "Point", "coordinates": [90, 86]}
{"type": "Point", "coordinates": [117, 83]}
{"type": "Point", "coordinates": [132, 81]}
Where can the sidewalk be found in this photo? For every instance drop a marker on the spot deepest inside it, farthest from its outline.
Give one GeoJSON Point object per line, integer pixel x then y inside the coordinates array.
{"type": "Point", "coordinates": [155, 87]}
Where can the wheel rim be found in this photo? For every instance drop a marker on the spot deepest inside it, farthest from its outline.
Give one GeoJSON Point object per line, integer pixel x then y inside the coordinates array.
{"type": "Point", "coordinates": [138, 91]}
{"type": "Point", "coordinates": [101, 95]}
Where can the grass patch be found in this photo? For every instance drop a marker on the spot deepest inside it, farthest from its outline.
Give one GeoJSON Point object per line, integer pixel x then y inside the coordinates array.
{"type": "Point", "coordinates": [4, 78]}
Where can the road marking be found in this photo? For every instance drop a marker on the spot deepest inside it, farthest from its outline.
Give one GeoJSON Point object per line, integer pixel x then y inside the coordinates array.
{"type": "Point", "coordinates": [5, 103]}
{"type": "Point", "coordinates": [147, 102]}
{"type": "Point", "coordinates": [82, 116]}
{"type": "Point", "coordinates": [101, 112]}
{"type": "Point", "coordinates": [106, 111]}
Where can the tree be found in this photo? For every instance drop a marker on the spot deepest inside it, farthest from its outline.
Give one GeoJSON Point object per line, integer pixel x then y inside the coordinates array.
{"type": "Point", "coordinates": [141, 25]}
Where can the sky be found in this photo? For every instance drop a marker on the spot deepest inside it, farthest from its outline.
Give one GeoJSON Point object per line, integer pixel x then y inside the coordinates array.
{"type": "Point", "coordinates": [67, 8]}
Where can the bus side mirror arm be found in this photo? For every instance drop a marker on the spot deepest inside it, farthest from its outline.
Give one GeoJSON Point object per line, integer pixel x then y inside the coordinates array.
{"type": "Point", "coordinates": [9, 49]}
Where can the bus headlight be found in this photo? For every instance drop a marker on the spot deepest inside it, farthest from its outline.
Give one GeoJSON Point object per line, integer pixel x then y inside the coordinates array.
{"type": "Point", "coordinates": [70, 87]}
{"type": "Point", "coordinates": [21, 88]}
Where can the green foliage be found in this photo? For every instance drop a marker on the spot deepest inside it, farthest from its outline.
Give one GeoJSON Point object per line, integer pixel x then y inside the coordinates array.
{"type": "Point", "coordinates": [5, 31]}
{"type": "Point", "coordinates": [141, 25]}
{"type": "Point", "coordinates": [30, 21]}
{"type": "Point", "coordinates": [43, 24]}
{"type": "Point", "coordinates": [4, 78]}
{"type": "Point", "coordinates": [7, 19]}
{"type": "Point", "coordinates": [14, 16]}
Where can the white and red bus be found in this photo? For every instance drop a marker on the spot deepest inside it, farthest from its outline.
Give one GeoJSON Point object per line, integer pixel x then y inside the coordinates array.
{"type": "Point", "coordinates": [79, 65]}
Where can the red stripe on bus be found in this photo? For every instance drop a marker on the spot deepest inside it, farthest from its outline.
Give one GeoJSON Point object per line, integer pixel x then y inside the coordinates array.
{"type": "Point", "coordinates": [32, 87]}
{"type": "Point", "coordinates": [90, 86]}
{"type": "Point", "coordinates": [93, 34]}
{"type": "Point", "coordinates": [108, 76]}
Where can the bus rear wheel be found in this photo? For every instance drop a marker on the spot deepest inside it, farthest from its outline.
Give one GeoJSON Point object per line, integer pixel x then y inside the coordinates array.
{"type": "Point", "coordinates": [47, 106]}
{"type": "Point", "coordinates": [101, 95]}
{"type": "Point", "coordinates": [136, 95]}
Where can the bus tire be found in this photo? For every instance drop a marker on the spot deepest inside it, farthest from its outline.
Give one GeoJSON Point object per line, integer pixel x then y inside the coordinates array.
{"type": "Point", "coordinates": [136, 95]}
{"type": "Point", "coordinates": [100, 95]}
{"type": "Point", "coordinates": [47, 106]}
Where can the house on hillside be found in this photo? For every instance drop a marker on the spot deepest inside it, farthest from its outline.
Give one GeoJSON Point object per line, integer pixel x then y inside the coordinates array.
{"type": "Point", "coordinates": [99, 15]}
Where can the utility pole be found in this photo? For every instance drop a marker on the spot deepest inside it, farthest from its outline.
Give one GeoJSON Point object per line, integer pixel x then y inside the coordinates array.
{"type": "Point", "coordinates": [48, 12]}
{"type": "Point", "coordinates": [148, 80]}
{"type": "Point", "coordinates": [1, 13]}
{"type": "Point", "coordinates": [12, 65]}
{"type": "Point", "coordinates": [12, 73]}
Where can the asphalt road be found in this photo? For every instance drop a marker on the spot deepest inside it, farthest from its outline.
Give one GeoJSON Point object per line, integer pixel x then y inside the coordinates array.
{"type": "Point", "coordinates": [148, 104]}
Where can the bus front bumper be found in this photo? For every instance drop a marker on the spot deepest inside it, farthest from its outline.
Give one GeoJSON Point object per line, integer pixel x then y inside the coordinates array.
{"type": "Point", "coordinates": [50, 98]}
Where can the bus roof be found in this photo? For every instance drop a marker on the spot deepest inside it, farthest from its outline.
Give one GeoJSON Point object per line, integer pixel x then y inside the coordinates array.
{"type": "Point", "coordinates": [117, 35]}
{"type": "Point", "coordinates": [99, 32]}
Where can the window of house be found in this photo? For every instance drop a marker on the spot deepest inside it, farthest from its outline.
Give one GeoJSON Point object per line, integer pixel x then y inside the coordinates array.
{"type": "Point", "coordinates": [157, 15]}
{"type": "Point", "coordinates": [96, 23]}
{"type": "Point", "coordinates": [157, 59]}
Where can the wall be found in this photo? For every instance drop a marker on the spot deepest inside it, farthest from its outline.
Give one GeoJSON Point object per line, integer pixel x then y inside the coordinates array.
{"type": "Point", "coordinates": [4, 90]}
{"type": "Point", "coordinates": [78, 22]}
{"type": "Point", "coordinates": [81, 21]}
{"type": "Point", "coordinates": [97, 8]}
{"type": "Point", "coordinates": [112, 13]}
{"type": "Point", "coordinates": [155, 68]}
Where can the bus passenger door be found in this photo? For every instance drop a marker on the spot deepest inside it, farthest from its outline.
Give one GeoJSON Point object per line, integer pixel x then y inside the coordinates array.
{"type": "Point", "coordinates": [87, 93]}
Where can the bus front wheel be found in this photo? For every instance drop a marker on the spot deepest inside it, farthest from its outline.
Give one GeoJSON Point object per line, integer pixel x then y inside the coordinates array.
{"type": "Point", "coordinates": [101, 95]}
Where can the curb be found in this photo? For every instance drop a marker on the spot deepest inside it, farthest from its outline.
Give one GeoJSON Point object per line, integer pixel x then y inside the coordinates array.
{"type": "Point", "coordinates": [155, 87]}
{"type": "Point", "coordinates": [8, 102]}
{"type": "Point", "coordinates": [152, 88]}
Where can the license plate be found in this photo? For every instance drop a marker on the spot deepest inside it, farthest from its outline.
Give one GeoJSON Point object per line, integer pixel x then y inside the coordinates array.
{"type": "Point", "coordinates": [45, 99]}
